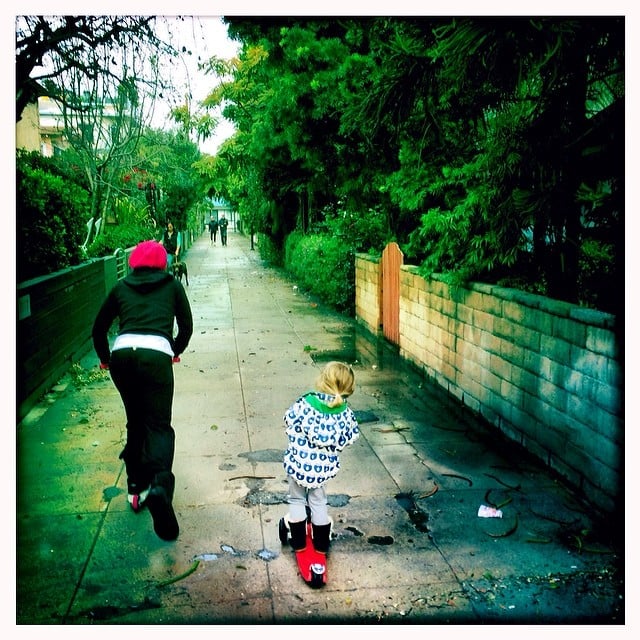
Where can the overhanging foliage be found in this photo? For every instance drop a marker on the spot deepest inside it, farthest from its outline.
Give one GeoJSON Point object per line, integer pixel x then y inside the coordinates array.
{"type": "Point", "coordinates": [493, 146]}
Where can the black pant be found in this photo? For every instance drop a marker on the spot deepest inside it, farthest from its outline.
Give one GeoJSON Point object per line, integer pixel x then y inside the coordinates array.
{"type": "Point", "coordinates": [223, 236]}
{"type": "Point", "coordinates": [144, 378]}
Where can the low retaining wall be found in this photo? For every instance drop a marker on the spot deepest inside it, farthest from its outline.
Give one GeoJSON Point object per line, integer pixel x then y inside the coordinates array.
{"type": "Point", "coordinates": [55, 317]}
{"type": "Point", "coordinates": [547, 374]}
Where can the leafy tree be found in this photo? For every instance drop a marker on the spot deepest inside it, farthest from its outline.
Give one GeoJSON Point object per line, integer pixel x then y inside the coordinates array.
{"type": "Point", "coordinates": [103, 147]}
{"type": "Point", "coordinates": [170, 157]}
{"type": "Point", "coordinates": [162, 184]}
{"type": "Point", "coordinates": [323, 160]}
{"type": "Point", "coordinates": [198, 121]}
{"type": "Point", "coordinates": [507, 201]}
{"type": "Point", "coordinates": [105, 72]}
{"type": "Point", "coordinates": [284, 139]}
{"type": "Point", "coordinates": [49, 47]}
{"type": "Point", "coordinates": [492, 146]}
{"type": "Point", "coordinates": [102, 72]}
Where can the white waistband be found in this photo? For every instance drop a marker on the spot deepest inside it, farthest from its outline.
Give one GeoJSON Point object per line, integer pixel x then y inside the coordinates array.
{"type": "Point", "coordinates": [139, 341]}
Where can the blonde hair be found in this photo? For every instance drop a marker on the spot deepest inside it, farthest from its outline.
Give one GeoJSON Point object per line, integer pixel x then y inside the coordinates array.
{"type": "Point", "coordinates": [336, 379]}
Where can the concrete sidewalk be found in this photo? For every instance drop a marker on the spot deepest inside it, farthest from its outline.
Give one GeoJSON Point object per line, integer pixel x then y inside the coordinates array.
{"type": "Point", "coordinates": [408, 544]}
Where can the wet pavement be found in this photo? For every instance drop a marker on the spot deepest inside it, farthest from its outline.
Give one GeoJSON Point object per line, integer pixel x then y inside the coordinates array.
{"type": "Point", "coordinates": [409, 546]}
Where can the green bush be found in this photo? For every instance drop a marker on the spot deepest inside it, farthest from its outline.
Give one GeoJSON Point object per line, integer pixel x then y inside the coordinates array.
{"type": "Point", "coordinates": [50, 218]}
{"type": "Point", "coordinates": [364, 231]}
{"type": "Point", "coordinates": [269, 251]}
{"type": "Point", "coordinates": [325, 266]}
{"type": "Point", "coordinates": [599, 282]}
{"type": "Point", "coordinates": [119, 237]}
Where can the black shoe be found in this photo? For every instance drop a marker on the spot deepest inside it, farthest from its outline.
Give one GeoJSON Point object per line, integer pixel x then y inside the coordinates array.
{"type": "Point", "coordinates": [165, 523]}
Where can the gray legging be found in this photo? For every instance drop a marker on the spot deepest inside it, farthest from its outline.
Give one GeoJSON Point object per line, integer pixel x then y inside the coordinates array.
{"type": "Point", "coordinates": [298, 499]}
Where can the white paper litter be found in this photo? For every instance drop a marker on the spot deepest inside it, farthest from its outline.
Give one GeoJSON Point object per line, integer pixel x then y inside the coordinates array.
{"type": "Point", "coordinates": [489, 512]}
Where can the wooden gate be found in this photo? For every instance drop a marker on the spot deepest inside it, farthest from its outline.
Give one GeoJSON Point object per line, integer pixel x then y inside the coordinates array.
{"type": "Point", "coordinates": [392, 260]}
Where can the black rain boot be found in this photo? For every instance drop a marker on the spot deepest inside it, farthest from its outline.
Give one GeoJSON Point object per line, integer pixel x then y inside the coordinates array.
{"type": "Point", "coordinates": [298, 534]}
{"type": "Point", "coordinates": [159, 500]}
{"type": "Point", "coordinates": [321, 534]}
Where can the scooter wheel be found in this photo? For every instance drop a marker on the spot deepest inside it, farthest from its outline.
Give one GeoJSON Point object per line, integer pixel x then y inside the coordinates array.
{"type": "Point", "coordinates": [283, 532]}
{"type": "Point", "coordinates": [317, 575]}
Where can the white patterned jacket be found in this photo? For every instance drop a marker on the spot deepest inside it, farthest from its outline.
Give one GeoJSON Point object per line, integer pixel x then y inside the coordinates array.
{"type": "Point", "coordinates": [317, 433]}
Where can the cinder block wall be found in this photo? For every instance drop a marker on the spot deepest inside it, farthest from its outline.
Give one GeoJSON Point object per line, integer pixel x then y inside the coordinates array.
{"type": "Point", "coordinates": [368, 308]}
{"type": "Point", "coordinates": [547, 374]}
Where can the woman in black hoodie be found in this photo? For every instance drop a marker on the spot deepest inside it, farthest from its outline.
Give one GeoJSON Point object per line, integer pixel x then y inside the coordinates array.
{"type": "Point", "coordinates": [146, 303]}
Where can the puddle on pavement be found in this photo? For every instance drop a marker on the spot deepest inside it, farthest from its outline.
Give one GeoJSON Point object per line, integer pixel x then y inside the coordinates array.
{"type": "Point", "coordinates": [103, 613]}
{"type": "Point", "coordinates": [360, 347]}
{"type": "Point", "coordinates": [264, 455]}
{"type": "Point", "coordinates": [418, 517]}
{"type": "Point", "coordinates": [380, 540]}
{"type": "Point", "coordinates": [338, 500]}
{"type": "Point", "coordinates": [110, 493]}
{"type": "Point", "coordinates": [264, 554]}
{"type": "Point", "coordinates": [267, 555]}
{"type": "Point", "coordinates": [366, 416]}
{"type": "Point", "coordinates": [365, 351]}
{"type": "Point", "coordinates": [354, 530]}
{"type": "Point", "coordinates": [227, 548]}
{"type": "Point", "coordinates": [256, 496]}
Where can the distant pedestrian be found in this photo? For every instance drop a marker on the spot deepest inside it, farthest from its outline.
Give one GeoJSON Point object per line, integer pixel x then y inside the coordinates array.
{"type": "Point", "coordinates": [213, 229]}
{"type": "Point", "coordinates": [171, 242]}
{"type": "Point", "coordinates": [319, 425]}
{"type": "Point", "coordinates": [222, 224]}
{"type": "Point", "coordinates": [146, 303]}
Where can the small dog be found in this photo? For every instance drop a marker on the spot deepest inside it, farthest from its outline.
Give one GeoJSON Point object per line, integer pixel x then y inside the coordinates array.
{"type": "Point", "coordinates": [180, 269]}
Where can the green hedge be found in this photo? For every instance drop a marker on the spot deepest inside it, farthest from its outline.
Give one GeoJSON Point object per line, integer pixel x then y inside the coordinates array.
{"type": "Point", "coordinates": [324, 266]}
{"type": "Point", "coordinates": [50, 215]}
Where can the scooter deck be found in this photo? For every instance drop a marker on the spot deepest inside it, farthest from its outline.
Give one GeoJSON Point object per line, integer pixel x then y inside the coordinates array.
{"type": "Point", "coordinates": [311, 563]}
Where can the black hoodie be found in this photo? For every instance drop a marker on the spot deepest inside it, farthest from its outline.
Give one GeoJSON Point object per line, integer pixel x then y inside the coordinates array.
{"type": "Point", "coordinates": [146, 302]}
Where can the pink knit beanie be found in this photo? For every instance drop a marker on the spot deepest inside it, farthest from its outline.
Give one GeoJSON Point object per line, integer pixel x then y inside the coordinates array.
{"type": "Point", "coordinates": [148, 254]}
